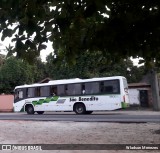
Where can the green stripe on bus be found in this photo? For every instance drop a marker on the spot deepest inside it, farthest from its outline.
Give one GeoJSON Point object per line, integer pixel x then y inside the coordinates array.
{"type": "Point", "coordinates": [47, 100]}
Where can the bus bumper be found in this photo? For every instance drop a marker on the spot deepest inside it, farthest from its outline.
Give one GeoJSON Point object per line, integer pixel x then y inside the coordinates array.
{"type": "Point", "coordinates": [124, 105]}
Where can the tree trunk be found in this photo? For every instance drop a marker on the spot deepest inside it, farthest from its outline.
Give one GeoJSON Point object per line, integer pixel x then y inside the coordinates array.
{"type": "Point", "coordinates": [155, 90]}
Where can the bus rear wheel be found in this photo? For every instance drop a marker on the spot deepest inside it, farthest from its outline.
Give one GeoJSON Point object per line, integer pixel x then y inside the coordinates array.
{"type": "Point", "coordinates": [79, 108]}
{"type": "Point", "coordinates": [40, 112]}
{"type": "Point", "coordinates": [30, 109]}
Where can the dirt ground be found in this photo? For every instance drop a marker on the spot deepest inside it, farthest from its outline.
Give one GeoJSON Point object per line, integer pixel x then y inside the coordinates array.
{"type": "Point", "coordinates": [51, 132]}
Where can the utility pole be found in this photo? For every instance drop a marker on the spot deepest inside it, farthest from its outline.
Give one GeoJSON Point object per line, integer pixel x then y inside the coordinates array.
{"type": "Point", "coordinates": [155, 90]}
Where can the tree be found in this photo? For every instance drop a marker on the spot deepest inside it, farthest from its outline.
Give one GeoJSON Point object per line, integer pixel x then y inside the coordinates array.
{"type": "Point", "coordinates": [2, 59]}
{"type": "Point", "coordinates": [14, 72]}
{"type": "Point", "coordinates": [131, 28]}
{"type": "Point", "coordinates": [39, 70]}
{"type": "Point", "coordinates": [91, 65]}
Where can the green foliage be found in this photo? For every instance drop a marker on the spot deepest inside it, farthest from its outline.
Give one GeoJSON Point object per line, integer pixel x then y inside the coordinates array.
{"type": "Point", "coordinates": [12, 73]}
{"type": "Point", "coordinates": [16, 72]}
{"type": "Point", "coordinates": [131, 29]}
{"type": "Point", "coordinates": [39, 70]}
{"type": "Point", "coordinates": [2, 59]}
{"type": "Point", "coordinates": [94, 64]}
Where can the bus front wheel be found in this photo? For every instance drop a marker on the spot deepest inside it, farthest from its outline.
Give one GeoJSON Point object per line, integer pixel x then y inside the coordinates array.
{"type": "Point", "coordinates": [80, 108]}
{"type": "Point", "coordinates": [30, 109]}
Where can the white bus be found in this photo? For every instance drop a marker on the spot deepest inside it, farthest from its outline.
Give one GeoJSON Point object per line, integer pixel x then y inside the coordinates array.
{"type": "Point", "coordinates": [83, 96]}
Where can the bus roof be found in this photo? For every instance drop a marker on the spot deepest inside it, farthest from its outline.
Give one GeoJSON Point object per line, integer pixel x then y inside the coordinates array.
{"type": "Point", "coordinates": [68, 81]}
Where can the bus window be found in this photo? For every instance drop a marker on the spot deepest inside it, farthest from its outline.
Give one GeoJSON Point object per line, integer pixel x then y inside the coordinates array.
{"type": "Point", "coordinates": [110, 87]}
{"type": "Point", "coordinates": [92, 88]}
{"type": "Point", "coordinates": [19, 94]}
{"type": "Point", "coordinates": [66, 90]}
{"type": "Point", "coordinates": [44, 91]}
{"type": "Point", "coordinates": [83, 89]}
{"type": "Point", "coordinates": [37, 91]}
{"type": "Point", "coordinates": [53, 90]}
{"type": "Point", "coordinates": [61, 90]}
{"type": "Point", "coordinates": [30, 92]}
{"type": "Point", "coordinates": [74, 89]}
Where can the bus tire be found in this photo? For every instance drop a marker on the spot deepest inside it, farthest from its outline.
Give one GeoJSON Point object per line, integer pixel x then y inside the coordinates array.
{"type": "Point", "coordinates": [79, 108]}
{"type": "Point", "coordinates": [40, 112]}
{"type": "Point", "coordinates": [89, 112]}
{"type": "Point", "coordinates": [30, 109]}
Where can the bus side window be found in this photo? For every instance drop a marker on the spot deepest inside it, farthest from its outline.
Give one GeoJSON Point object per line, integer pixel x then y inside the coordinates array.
{"type": "Point", "coordinates": [16, 95]}
{"type": "Point", "coordinates": [37, 92]}
{"type": "Point", "coordinates": [26, 92]}
{"type": "Point", "coordinates": [53, 91]}
{"type": "Point", "coordinates": [60, 90]}
{"type": "Point", "coordinates": [108, 89]}
{"type": "Point", "coordinates": [83, 89]}
{"type": "Point", "coordinates": [74, 89]}
{"type": "Point", "coordinates": [19, 94]}
{"type": "Point", "coordinates": [31, 92]}
{"type": "Point", "coordinates": [92, 87]}
{"type": "Point", "coordinates": [66, 90]}
{"type": "Point", "coordinates": [44, 91]}
{"type": "Point", "coordinates": [101, 87]}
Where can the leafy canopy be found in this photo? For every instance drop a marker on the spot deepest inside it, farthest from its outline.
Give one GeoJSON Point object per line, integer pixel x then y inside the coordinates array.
{"type": "Point", "coordinates": [14, 72]}
{"type": "Point", "coordinates": [121, 28]}
{"type": "Point", "coordinates": [91, 65]}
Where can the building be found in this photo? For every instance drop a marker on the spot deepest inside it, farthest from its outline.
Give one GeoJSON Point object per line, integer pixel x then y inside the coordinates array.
{"type": "Point", "coordinates": [140, 94]}
{"type": "Point", "coordinates": [46, 80]}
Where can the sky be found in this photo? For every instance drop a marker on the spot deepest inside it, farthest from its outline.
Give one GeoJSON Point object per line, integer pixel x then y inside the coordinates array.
{"type": "Point", "coordinates": [136, 60]}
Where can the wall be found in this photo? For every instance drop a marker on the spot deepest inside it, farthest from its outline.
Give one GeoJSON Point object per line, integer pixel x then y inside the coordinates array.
{"type": "Point", "coordinates": [6, 103]}
{"type": "Point", "coordinates": [134, 97]}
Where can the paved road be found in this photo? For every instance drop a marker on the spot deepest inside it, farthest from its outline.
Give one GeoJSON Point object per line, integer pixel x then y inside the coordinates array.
{"type": "Point", "coordinates": [121, 117]}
